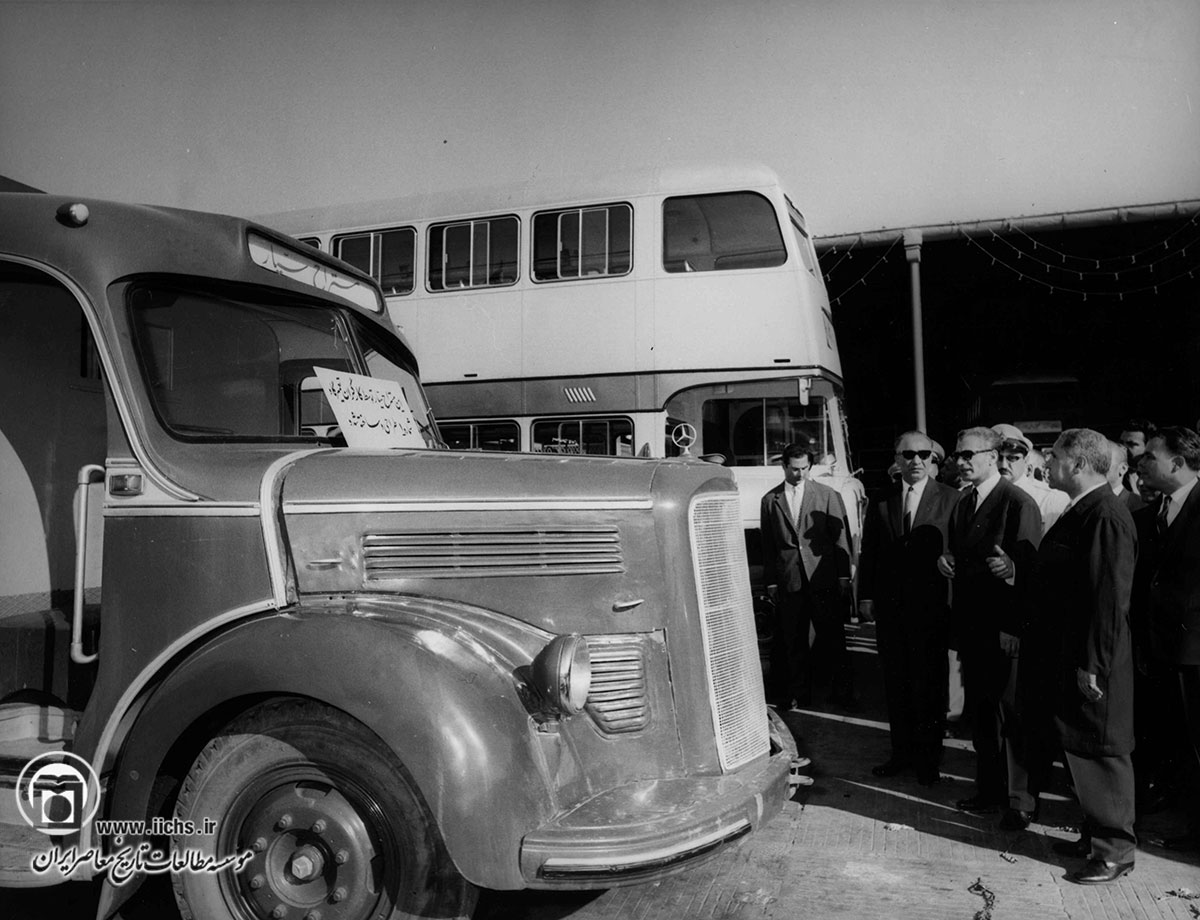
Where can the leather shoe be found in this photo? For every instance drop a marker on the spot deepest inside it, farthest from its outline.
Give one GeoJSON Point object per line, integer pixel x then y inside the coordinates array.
{"type": "Point", "coordinates": [1186, 842]}
{"type": "Point", "coordinates": [1080, 849]}
{"type": "Point", "coordinates": [978, 805]}
{"type": "Point", "coordinates": [890, 767]}
{"type": "Point", "coordinates": [1097, 872]}
{"type": "Point", "coordinates": [1014, 819]}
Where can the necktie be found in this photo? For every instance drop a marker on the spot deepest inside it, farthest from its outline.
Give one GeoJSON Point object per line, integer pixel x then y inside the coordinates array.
{"type": "Point", "coordinates": [974, 500]}
{"type": "Point", "coordinates": [1163, 510]}
{"type": "Point", "coordinates": [910, 508]}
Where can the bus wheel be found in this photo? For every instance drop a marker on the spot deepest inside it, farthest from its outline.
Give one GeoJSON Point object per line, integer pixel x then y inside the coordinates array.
{"type": "Point", "coordinates": [330, 824]}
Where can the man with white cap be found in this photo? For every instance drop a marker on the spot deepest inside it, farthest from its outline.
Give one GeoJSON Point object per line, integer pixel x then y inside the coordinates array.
{"type": "Point", "coordinates": [1013, 464]}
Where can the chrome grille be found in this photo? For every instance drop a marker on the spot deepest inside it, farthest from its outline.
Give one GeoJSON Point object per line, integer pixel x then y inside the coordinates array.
{"type": "Point", "coordinates": [727, 625]}
{"type": "Point", "coordinates": [489, 552]}
{"type": "Point", "coordinates": [617, 698]}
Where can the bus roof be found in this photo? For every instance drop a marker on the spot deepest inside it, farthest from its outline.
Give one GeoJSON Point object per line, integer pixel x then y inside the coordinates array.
{"type": "Point", "coordinates": [674, 178]}
{"type": "Point", "coordinates": [128, 239]}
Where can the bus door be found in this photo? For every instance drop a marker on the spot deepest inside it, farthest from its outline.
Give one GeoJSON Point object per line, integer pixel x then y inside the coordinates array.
{"type": "Point", "coordinates": [52, 453]}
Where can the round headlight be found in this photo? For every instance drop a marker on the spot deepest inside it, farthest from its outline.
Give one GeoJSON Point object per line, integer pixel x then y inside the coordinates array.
{"type": "Point", "coordinates": [562, 673]}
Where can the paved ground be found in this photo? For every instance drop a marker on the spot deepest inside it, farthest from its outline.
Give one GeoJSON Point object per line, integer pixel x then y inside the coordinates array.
{"type": "Point", "coordinates": [852, 846]}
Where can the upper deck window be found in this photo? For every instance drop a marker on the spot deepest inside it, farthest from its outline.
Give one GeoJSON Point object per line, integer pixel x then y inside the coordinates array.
{"type": "Point", "coordinates": [473, 253]}
{"type": "Point", "coordinates": [704, 233]}
{"type": "Point", "coordinates": [582, 242]}
{"type": "Point", "coordinates": [388, 256]}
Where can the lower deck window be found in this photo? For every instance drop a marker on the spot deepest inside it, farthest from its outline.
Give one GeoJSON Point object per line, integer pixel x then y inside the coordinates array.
{"type": "Point", "coordinates": [611, 437]}
{"type": "Point", "coordinates": [504, 436]}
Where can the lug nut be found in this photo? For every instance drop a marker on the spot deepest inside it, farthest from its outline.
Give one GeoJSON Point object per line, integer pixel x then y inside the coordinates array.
{"type": "Point", "coordinates": [340, 857]}
{"type": "Point", "coordinates": [319, 826]}
{"type": "Point", "coordinates": [257, 882]}
{"type": "Point", "coordinates": [279, 912]}
{"type": "Point", "coordinates": [302, 868]}
{"type": "Point", "coordinates": [284, 822]}
{"type": "Point", "coordinates": [259, 845]}
{"type": "Point", "coordinates": [339, 894]}
{"type": "Point", "coordinates": [313, 915]}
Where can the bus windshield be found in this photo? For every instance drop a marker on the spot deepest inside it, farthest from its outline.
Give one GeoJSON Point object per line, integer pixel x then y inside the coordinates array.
{"type": "Point", "coordinates": [750, 424]}
{"type": "Point", "coordinates": [222, 366]}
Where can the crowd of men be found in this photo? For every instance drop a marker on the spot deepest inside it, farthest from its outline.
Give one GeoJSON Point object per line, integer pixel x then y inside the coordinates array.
{"type": "Point", "coordinates": [1064, 587]}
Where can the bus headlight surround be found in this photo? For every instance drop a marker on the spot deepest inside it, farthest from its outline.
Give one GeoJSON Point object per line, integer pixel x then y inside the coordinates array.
{"type": "Point", "coordinates": [562, 673]}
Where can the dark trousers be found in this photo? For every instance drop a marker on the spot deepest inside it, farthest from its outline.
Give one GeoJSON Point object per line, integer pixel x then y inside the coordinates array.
{"type": "Point", "coordinates": [1157, 714]}
{"type": "Point", "coordinates": [1189, 688]}
{"type": "Point", "coordinates": [912, 650]}
{"type": "Point", "coordinates": [989, 680]}
{"type": "Point", "coordinates": [795, 612]}
{"type": "Point", "coordinates": [1104, 786]}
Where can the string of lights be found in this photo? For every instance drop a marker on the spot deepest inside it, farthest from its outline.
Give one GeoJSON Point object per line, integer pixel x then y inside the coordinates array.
{"type": "Point", "coordinates": [1131, 258]}
{"type": "Point", "coordinates": [862, 279]}
{"type": "Point", "coordinates": [1173, 258]}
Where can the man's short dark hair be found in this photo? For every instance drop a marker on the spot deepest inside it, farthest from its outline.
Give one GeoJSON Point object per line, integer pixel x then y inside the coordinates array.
{"type": "Point", "coordinates": [797, 450]}
{"type": "Point", "coordinates": [1091, 445]}
{"type": "Point", "coordinates": [1181, 442]}
{"type": "Point", "coordinates": [916, 431]}
{"type": "Point", "coordinates": [987, 435]}
{"type": "Point", "coordinates": [1145, 426]}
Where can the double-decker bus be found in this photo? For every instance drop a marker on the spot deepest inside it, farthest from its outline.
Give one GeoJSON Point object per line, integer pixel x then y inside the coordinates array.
{"type": "Point", "coordinates": [638, 314]}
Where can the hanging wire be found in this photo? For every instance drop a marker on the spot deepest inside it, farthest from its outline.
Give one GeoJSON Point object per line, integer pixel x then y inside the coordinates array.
{"type": "Point", "coordinates": [1186, 271]}
{"type": "Point", "coordinates": [1164, 242]}
{"type": "Point", "coordinates": [1097, 271]}
{"type": "Point", "coordinates": [862, 279]}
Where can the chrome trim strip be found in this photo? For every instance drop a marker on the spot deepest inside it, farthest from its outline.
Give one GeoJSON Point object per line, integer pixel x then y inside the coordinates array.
{"type": "Point", "coordinates": [268, 498]}
{"type": "Point", "coordinates": [480, 504]}
{"type": "Point", "coordinates": [203, 509]}
{"type": "Point", "coordinates": [607, 862]}
{"type": "Point", "coordinates": [144, 677]}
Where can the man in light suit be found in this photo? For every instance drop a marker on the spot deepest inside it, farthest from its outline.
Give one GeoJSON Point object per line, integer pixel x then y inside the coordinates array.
{"type": "Point", "coordinates": [1077, 652]}
{"type": "Point", "coordinates": [1172, 569]}
{"type": "Point", "coordinates": [904, 533]}
{"type": "Point", "coordinates": [806, 566]}
{"type": "Point", "coordinates": [994, 533]}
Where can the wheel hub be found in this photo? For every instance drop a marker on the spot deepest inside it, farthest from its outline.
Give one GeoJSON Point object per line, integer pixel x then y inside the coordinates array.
{"type": "Point", "coordinates": [313, 855]}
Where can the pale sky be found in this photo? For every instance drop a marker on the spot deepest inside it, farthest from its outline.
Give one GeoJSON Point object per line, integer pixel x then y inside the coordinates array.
{"type": "Point", "coordinates": [875, 113]}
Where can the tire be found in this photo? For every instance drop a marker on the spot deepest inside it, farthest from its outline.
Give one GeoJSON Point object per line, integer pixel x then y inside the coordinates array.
{"type": "Point", "coordinates": [335, 825]}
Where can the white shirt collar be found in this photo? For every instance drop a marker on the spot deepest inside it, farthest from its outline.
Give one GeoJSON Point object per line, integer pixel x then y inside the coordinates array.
{"type": "Point", "coordinates": [984, 489]}
{"type": "Point", "coordinates": [1178, 497]}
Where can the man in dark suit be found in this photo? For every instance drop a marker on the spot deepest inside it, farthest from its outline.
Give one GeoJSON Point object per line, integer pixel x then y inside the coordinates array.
{"type": "Point", "coordinates": [1077, 651]}
{"type": "Point", "coordinates": [1172, 570]}
{"type": "Point", "coordinates": [899, 586]}
{"type": "Point", "coordinates": [806, 566]}
{"type": "Point", "coordinates": [994, 533]}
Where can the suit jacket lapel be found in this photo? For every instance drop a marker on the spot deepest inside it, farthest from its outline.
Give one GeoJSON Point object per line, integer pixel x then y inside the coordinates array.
{"type": "Point", "coordinates": [1178, 526]}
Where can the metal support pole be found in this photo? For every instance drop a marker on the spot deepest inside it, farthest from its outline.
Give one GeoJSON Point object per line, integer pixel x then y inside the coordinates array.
{"type": "Point", "coordinates": [912, 249]}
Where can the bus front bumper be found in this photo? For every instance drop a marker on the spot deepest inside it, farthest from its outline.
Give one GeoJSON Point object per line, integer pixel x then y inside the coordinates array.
{"type": "Point", "coordinates": [655, 828]}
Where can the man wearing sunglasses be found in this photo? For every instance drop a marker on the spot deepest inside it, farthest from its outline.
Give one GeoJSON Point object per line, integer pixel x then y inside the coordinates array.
{"type": "Point", "coordinates": [904, 533]}
{"type": "Point", "coordinates": [994, 533]}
